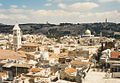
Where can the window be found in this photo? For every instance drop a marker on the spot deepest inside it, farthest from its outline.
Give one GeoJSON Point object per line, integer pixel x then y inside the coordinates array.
{"type": "Point", "coordinates": [15, 34]}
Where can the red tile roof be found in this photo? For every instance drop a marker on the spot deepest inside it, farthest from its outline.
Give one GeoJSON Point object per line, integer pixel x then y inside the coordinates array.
{"type": "Point", "coordinates": [80, 63]}
{"type": "Point", "coordinates": [115, 55]}
{"type": "Point", "coordinates": [35, 70]}
{"type": "Point", "coordinates": [70, 71]}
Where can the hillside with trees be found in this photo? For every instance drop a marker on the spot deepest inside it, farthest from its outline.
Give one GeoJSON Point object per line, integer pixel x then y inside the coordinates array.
{"type": "Point", "coordinates": [52, 30]}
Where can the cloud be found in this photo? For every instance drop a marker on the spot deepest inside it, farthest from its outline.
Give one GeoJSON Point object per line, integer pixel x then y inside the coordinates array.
{"type": "Point", "coordinates": [57, 1]}
{"type": "Point", "coordinates": [1, 4]}
{"type": "Point", "coordinates": [63, 6]}
{"type": "Point", "coordinates": [54, 0]}
{"type": "Point", "coordinates": [106, 0]}
{"type": "Point", "coordinates": [13, 6]}
{"type": "Point", "coordinates": [13, 17]}
{"type": "Point", "coordinates": [48, 4]}
{"type": "Point", "coordinates": [79, 6]}
{"type": "Point", "coordinates": [24, 6]}
{"type": "Point", "coordinates": [109, 1]}
{"type": "Point", "coordinates": [55, 16]}
{"type": "Point", "coordinates": [118, 0]}
{"type": "Point", "coordinates": [16, 11]}
{"type": "Point", "coordinates": [49, 0]}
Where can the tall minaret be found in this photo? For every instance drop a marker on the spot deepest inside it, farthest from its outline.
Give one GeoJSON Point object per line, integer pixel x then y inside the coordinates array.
{"type": "Point", "coordinates": [16, 37]}
{"type": "Point", "coordinates": [106, 20]}
{"type": "Point", "coordinates": [100, 36]}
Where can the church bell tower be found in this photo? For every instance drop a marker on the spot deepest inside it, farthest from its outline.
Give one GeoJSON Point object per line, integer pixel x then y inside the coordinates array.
{"type": "Point", "coordinates": [16, 37]}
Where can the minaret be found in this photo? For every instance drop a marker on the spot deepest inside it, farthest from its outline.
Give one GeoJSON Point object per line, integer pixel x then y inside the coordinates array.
{"type": "Point", "coordinates": [106, 23]}
{"type": "Point", "coordinates": [100, 36]}
{"type": "Point", "coordinates": [16, 37]}
{"type": "Point", "coordinates": [106, 20]}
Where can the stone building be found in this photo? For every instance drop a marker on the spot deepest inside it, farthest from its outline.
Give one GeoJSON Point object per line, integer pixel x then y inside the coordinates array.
{"type": "Point", "coordinates": [16, 37]}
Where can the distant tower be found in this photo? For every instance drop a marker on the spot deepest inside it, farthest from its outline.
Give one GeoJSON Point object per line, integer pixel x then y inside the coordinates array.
{"type": "Point", "coordinates": [100, 36]}
{"type": "Point", "coordinates": [106, 20]}
{"type": "Point", "coordinates": [47, 22]}
{"type": "Point", "coordinates": [106, 23]}
{"type": "Point", "coordinates": [16, 37]}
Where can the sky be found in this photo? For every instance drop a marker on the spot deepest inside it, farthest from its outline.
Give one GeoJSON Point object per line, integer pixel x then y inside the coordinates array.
{"type": "Point", "coordinates": [59, 11]}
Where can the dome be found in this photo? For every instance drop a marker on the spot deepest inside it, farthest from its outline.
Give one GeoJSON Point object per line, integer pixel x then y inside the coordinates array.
{"type": "Point", "coordinates": [88, 32]}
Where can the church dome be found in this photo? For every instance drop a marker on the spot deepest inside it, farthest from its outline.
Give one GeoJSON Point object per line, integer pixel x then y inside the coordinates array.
{"type": "Point", "coordinates": [88, 32]}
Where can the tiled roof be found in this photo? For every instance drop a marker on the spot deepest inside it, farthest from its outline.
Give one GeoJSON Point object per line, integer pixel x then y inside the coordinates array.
{"type": "Point", "coordinates": [9, 54]}
{"type": "Point", "coordinates": [63, 55]}
{"type": "Point", "coordinates": [2, 74]}
{"type": "Point", "coordinates": [80, 63]}
{"type": "Point", "coordinates": [22, 53]}
{"type": "Point", "coordinates": [52, 55]}
{"type": "Point", "coordinates": [31, 44]}
{"type": "Point", "coordinates": [35, 70]}
{"type": "Point", "coordinates": [22, 65]}
{"type": "Point", "coordinates": [10, 57]}
{"type": "Point", "coordinates": [115, 55]}
{"type": "Point", "coordinates": [70, 71]}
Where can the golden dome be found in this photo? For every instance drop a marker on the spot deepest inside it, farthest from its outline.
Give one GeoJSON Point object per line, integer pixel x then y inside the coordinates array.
{"type": "Point", "coordinates": [88, 32]}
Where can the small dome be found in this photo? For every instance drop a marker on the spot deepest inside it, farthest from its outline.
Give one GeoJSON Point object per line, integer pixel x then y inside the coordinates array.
{"type": "Point", "coordinates": [88, 32]}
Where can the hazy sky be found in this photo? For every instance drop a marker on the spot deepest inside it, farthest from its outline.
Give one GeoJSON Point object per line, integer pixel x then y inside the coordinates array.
{"type": "Point", "coordinates": [56, 11]}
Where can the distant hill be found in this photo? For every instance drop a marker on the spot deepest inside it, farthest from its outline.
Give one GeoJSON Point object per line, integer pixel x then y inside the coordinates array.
{"type": "Point", "coordinates": [52, 30]}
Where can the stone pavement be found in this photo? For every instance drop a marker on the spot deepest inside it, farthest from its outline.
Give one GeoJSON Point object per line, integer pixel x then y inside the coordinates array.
{"type": "Point", "coordinates": [98, 77]}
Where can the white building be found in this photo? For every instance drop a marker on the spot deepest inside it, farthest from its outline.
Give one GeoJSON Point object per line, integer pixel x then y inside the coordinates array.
{"type": "Point", "coordinates": [16, 37]}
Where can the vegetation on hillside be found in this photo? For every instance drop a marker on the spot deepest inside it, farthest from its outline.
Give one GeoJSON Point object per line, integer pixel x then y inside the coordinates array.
{"type": "Point", "coordinates": [56, 31]}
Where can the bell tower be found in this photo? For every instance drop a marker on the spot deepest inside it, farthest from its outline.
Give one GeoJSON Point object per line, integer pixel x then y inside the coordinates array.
{"type": "Point", "coordinates": [16, 37]}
